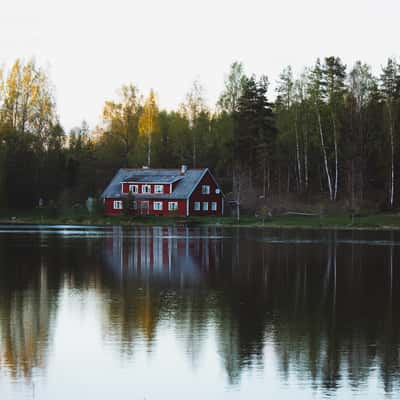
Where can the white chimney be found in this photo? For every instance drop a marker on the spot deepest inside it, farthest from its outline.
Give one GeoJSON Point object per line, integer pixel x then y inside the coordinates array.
{"type": "Point", "coordinates": [183, 169]}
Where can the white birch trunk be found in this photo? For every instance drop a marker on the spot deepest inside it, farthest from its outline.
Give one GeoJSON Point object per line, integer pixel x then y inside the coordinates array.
{"type": "Point", "coordinates": [328, 175]}
{"type": "Point", "coordinates": [336, 157]}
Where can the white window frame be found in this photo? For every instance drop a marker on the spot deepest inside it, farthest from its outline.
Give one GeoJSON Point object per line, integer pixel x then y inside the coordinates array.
{"type": "Point", "coordinates": [197, 206]}
{"type": "Point", "coordinates": [205, 206]}
{"type": "Point", "coordinates": [133, 189]}
{"type": "Point", "coordinates": [172, 206]}
{"type": "Point", "coordinates": [214, 206]}
{"type": "Point", "coordinates": [117, 205]}
{"type": "Point", "coordinates": [205, 189]}
{"type": "Point", "coordinates": [147, 187]}
{"type": "Point", "coordinates": [159, 189]}
{"type": "Point", "coordinates": [157, 205]}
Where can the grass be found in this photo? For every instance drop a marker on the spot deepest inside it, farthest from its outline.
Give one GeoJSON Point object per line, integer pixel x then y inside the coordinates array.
{"type": "Point", "coordinates": [80, 216]}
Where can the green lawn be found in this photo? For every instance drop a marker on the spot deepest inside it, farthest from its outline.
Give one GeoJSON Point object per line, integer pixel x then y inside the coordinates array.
{"type": "Point", "coordinates": [81, 216]}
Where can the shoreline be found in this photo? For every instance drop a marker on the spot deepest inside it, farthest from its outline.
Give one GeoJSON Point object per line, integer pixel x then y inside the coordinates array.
{"type": "Point", "coordinates": [376, 222]}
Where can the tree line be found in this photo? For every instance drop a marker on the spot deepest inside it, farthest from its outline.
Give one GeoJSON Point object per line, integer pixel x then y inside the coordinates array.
{"type": "Point", "coordinates": [331, 132]}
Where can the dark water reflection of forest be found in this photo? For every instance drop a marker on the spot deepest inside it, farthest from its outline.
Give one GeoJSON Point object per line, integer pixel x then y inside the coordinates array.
{"type": "Point", "coordinates": [309, 311]}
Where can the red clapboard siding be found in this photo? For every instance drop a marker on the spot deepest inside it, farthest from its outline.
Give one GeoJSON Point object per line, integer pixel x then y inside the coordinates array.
{"type": "Point", "coordinates": [181, 211]}
{"type": "Point", "coordinates": [125, 187]}
{"type": "Point", "coordinates": [212, 197]}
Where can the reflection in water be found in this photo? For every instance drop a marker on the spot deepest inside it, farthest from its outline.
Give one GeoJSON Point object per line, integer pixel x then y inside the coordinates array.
{"type": "Point", "coordinates": [325, 303]}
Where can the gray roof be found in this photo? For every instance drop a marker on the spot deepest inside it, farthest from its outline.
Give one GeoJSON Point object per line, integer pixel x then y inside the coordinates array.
{"type": "Point", "coordinates": [153, 178]}
{"type": "Point", "coordinates": [183, 188]}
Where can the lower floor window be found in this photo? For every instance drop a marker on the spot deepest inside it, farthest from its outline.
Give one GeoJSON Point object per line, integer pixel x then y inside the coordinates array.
{"type": "Point", "coordinates": [172, 205]}
{"type": "Point", "coordinates": [157, 205]}
{"type": "Point", "coordinates": [196, 206]}
{"type": "Point", "coordinates": [214, 206]}
{"type": "Point", "coordinates": [117, 205]}
{"type": "Point", "coordinates": [205, 206]}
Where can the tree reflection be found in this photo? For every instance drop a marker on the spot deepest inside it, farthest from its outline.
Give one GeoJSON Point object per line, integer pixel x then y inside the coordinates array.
{"type": "Point", "coordinates": [326, 303]}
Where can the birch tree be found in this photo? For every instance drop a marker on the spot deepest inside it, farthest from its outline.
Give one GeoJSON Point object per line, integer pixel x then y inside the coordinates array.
{"type": "Point", "coordinates": [192, 108]}
{"type": "Point", "coordinates": [390, 86]}
{"type": "Point", "coordinates": [121, 118]}
{"type": "Point", "coordinates": [317, 92]}
{"type": "Point", "coordinates": [148, 122]}
{"type": "Point", "coordinates": [290, 120]}
{"type": "Point", "coordinates": [334, 73]}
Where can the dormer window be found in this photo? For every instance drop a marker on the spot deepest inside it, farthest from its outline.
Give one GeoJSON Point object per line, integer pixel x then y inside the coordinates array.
{"type": "Point", "coordinates": [133, 188]}
{"type": "Point", "coordinates": [159, 189]}
{"type": "Point", "coordinates": [205, 189]}
{"type": "Point", "coordinates": [146, 189]}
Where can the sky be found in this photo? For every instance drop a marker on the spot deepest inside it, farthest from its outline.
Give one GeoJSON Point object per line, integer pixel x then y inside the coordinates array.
{"type": "Point", "coordinates": [90, 48]}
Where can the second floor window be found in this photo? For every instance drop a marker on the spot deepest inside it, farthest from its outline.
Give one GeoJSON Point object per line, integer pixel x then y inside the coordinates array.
{"type": "Point", "coordinates": [133, 188]}
{"type": "Point", "coordinates": [159, 189]}
{"type": "Point", "coordinates": [205, 189]}
{"type": "Point", "coordinates": [146, 189]}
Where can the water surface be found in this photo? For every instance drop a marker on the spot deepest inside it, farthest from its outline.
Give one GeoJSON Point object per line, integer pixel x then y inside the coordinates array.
{"type": "Point", "coordinates": [168, 313]}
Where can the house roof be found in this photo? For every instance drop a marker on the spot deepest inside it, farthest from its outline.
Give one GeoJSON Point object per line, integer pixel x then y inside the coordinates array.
{"type": "Point", "coordinates": [183, 188]}
{"type": "Point", "coordinates": [153, 178]}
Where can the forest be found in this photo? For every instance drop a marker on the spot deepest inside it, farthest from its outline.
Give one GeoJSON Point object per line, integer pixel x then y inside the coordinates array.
{"type": "Point", "coordinates": [330, 135]}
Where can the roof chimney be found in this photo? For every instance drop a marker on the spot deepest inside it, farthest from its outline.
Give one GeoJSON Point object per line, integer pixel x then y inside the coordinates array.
{"type": "Point", "coordinates": [183, 169]}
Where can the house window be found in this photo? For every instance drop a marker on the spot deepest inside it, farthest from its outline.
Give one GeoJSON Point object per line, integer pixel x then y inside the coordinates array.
{"type": "Point", "coordinates": [159, 189]}
{"type": "Point", "coordinates": [157, 205]}
{"type": "Point", "coordinates": [172, 205]}
{"type": "Point", "coordinates": [196, 206]}
{"type": "Point", "coordinates": [117, 205]}
{"type": "Point", "coordinates": [146, 189]}
{"type": "Point", "coordinates": [133, 188]}
{"type": "Point", "coordinates": [205, 206]}
{"type": "Point", "coordinates": [205, 189]}
{"type": "Point", "coordinates": [214, 206]}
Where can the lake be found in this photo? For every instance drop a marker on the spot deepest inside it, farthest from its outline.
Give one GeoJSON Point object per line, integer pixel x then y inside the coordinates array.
{"type": "Point", "coordinates": [199, 313]}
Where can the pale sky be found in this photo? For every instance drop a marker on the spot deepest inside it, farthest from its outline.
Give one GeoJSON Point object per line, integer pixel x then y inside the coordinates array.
{"type": "Point", "coordinates": [92, 47]}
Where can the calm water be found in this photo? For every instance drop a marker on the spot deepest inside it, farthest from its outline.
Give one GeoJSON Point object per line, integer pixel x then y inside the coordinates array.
{"type": "Point", "coordinates": [202, 313]}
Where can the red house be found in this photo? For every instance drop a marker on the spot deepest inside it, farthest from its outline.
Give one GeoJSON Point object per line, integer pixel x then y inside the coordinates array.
{"type": "Point", "coordinates": [183, 192]}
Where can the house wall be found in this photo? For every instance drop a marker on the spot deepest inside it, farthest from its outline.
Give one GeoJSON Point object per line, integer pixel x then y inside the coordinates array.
{"type": "Point", "coordinates": [212, 197]}
{"type": "Point", "coordinates": [109, 209]}
{"type": "Point", "coordinates": [125, 187]}
{"type": "Point", "coordinates": [181, 211]}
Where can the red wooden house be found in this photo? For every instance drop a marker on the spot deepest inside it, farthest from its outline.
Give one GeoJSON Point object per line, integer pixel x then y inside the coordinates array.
{"type": "Point", "coordinates": [182, 192]}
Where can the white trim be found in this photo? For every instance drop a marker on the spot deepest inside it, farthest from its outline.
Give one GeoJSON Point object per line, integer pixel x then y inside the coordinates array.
{"type": "Point", "coordinates": [117, 205]}
{"type": "Point", "coordinates": [159, 186]}
{"type": "Point", "coordinates": [197, 183]}
{"type": "Point", "coordinates": [199, 180]}
{"type": "Point", "coordinates": [205, 189]}
{"type": "Point", "coordinates": [187, 207]}
{"type": "Point", "coordinates": [159, 203]}
{"type": "Point", "coordinates": [147, 186]}
{"type": "Point", "coordinates": [130, 185]}
{"type": "Point", "coordinates": [175, 208]}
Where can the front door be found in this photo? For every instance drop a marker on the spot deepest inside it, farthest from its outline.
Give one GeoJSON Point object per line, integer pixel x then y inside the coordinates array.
{"type": "Point", "coordinates": [144, 207]}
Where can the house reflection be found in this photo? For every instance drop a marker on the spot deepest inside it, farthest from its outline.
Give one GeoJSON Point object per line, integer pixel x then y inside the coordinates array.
{"type": "Point", "coordinates": [163, 253]}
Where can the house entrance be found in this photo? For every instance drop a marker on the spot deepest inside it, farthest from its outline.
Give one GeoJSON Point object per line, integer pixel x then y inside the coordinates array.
{"type": "Point", "coordinates": [144, 208]}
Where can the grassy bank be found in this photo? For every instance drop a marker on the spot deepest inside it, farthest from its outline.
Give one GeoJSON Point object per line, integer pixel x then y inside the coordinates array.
{"type": "Point", "coordinates": [79, 216]}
